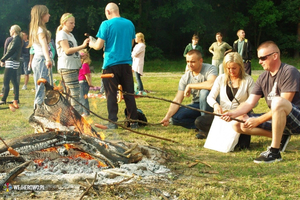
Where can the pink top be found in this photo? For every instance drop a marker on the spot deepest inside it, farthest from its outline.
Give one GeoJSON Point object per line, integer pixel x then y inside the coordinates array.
{"type": "Point", "coordinates": [85, 69]}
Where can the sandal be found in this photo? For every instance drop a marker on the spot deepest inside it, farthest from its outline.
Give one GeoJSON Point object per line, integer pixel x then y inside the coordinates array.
{"type": "Point", "coordinates": [15, 104]}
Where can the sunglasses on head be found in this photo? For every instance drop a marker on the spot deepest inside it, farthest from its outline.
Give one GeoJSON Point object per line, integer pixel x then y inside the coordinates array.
{"type": "Point", "coordinates": [263, 58]}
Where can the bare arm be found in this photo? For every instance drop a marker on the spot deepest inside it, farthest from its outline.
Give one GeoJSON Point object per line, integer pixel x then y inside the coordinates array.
{"type": "Point", "coordinates": [173, 108]}
{"type": "Point", "coordinates": [97, 45]}
{"type": "Point", "coordinates": [199, 86]}
{"type": "Point", "coordinates": [70, 50]}
{"type": "Point", "coordinates": [89, 79]}
{"type": "Point", "coordinates": [43, 42]}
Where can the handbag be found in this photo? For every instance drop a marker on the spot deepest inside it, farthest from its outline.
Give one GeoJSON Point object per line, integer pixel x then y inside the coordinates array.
{"type": "Point", "coordinates": [221, 136]}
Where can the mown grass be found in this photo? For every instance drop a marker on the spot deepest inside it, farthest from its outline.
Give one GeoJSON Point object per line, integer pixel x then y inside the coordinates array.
{"type": "Point", "coordinates": [231, 176]}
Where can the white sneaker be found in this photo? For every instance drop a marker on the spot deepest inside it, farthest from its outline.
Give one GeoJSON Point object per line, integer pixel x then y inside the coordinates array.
{"type": "Point", "coordinates": [12, 88]}
{"type": "Point", "coordinates": [24, 87]}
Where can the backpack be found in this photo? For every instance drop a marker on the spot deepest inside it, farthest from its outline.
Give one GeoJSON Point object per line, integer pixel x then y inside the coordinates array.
{"type": "Point", "coordinates": [141, 117]}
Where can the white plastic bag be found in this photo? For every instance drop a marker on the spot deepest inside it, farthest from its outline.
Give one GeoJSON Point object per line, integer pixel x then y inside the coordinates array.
{"type": "Point", "coordinates": [221, 136]}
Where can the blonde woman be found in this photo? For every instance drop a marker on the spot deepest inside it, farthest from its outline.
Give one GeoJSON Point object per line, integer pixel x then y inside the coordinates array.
{"type": "Point", "coordinates": [85, 80]}
{"type": "Point", "coordinates": [11, 60]}
{"type": "Point", "coordinates": [138, 56]}
{"type": "Point", "coordinates": [233, 87]}
{"type": "Point", "coordinates": [39, 39]}
{"type": "Point", "coordinates": [68, 63]}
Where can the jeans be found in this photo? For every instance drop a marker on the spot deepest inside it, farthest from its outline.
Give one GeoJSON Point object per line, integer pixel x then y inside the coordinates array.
{"type": "Point", "coordinates": [84, 90]}
{"type": "Point", "coordinates": [70, 78]}
{"type": "Point", "coordinates": [123, 76]}
{"type": "Point", "coordinates": [186, 117]}
{"type": "Point", "coordinates": [219, 65]}
{"type": "Point", "coordinates": [40, 70]}
{"type": "Point", "coordinates": [139, 81]}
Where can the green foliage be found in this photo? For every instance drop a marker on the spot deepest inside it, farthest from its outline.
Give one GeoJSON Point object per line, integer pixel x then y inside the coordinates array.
{"type": "Point", "coordinates": [168, 25]}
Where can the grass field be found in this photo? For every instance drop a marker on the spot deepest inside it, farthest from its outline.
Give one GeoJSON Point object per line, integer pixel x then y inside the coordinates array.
{"type": "Point", "coordinates": [224, 176]}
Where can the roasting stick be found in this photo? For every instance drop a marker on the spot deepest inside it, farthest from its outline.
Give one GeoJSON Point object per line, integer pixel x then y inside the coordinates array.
{"type": "Point", "coordinates": [204, 111]}
{"type": "Point", "coordinates": [152, 97]}
{"type": "Point", "coordinates": [10, 149]}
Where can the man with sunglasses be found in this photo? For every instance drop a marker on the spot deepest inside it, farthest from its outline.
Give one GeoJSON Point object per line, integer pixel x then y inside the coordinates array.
{"type": "Point", "coordinates": [280, 87]}
{"type": "Point", "coordinates": [243, 47]}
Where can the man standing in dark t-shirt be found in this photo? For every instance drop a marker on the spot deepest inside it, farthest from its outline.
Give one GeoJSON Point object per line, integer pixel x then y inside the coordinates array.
{"type": "Point", "coordinates": [243, 47]}
{"type": "Point", "coordinates": [280, 87]}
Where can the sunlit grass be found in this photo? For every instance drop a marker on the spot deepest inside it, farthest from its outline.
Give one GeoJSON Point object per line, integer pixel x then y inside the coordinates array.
{"type": "Point", "coordinates": [231, 176]}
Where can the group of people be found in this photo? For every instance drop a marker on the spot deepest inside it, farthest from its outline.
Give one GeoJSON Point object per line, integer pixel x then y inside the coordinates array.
{"type": "Point", "coordinates": [234, 94]}
{"type": "Point", "coordinates": [220, 48]}
{"type": "Point", "coordinates": [74, 60]}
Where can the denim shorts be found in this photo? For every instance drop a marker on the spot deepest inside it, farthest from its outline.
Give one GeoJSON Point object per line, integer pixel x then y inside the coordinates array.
{"type": "Point", "coordinates": [292, 126]}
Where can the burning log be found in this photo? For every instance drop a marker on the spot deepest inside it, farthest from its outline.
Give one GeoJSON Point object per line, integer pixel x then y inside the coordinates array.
{"type": "Point", "coordinates": [8, 163]}
{"type": "Point", "coordinates": [14, 173]}
{"type": "Point", "coordinates": [109, 153]}
{"type": "Point", "coordinates": [57, 114]}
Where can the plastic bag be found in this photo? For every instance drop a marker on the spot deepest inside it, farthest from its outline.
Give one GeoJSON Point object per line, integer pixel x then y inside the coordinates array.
{"type": "Point", "coordinates": [221, 136]}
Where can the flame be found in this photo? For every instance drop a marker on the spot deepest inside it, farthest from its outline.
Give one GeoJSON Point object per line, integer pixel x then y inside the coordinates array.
{"type": "Point", "coordinates": [39, 161]}
{"type": "Point", "coordinates": [50, 149]}
{"type": "Point", "coordinates": [89, 157]}
{"type": "Point", "coordinates": [69, 146]}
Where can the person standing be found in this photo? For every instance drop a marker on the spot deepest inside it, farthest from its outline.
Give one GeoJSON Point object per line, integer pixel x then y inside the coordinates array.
{"type": "Point", "coordinates": [68, 63]}
{"type": "Point", "coordinates": [138, 56]}
{"type": "Point", "coordinates": [279, 85]}
{"type": "Point", "coordinates": [197, 82]}
{"type": "Point", "coordinates": [118, 35]}
{"type": "Point", "coordinates": [85, 80]}
{"type": "Point", "coordinates": [243, 47]}
{"type": "Point", "coordinates": [11, 61]}
{"type": "Point", "coordinates": [219, 49]}
{"type": "Point", "coordinates": [25, 58]}
{"type": "Point", "coordinates": [39, 38]}
{"type": "Point", "coordinates": [191, 46]}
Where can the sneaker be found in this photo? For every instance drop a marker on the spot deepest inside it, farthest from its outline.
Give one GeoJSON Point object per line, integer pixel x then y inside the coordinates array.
{"type": "Point", "coordinates": [284, 141]}
{"type": "Point", "coordinates": [24, 87]}
{"type": "Point", "coordinates": [112, 126]}
{"type": "Point", "coordinates": [134, 125]}
{"type": "Point", "coordinates": [201, 134]}
{"type": "Point", "coordinates": [268, 157]}
{"type": "Point", "coordinates": [12, 88]}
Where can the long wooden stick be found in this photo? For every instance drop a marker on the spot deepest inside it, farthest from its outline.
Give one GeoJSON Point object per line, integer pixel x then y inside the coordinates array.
{"type": "Point", "coordinates": [196, 109]}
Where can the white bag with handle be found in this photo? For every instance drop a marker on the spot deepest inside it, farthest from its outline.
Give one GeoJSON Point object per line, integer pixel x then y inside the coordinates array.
{"type": "Point", "coordinates": [221, 136]}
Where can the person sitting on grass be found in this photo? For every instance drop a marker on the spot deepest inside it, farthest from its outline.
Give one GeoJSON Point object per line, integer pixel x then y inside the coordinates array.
{"type": "Point", "coordinates": [196, 82]}
{"type": "Point", "coordinates": [280, 86]}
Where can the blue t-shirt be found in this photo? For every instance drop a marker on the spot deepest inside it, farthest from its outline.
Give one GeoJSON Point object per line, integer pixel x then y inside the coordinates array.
{"type": "Point", "coordinates": [118, 34]}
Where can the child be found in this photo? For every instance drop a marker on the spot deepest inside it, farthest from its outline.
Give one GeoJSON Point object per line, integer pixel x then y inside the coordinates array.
{"type": "Point", "coordinates": [85, 80]}
{"type": "Point", "coordinates": [39, 38]}
{"type": "Point", "coordinates": [138, 55]}
{"type": "Point", "coordinates": [68, 63]}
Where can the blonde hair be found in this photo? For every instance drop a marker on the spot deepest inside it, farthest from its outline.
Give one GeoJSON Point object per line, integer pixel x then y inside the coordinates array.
{"type": "Point", "coordinates": [63, 19]}
{"type": "Point", "coordinates": [141, 35]}
{"type": "Point", "coordinates": [17, 30]}
{"type": "Point", "coordinates": [87, 59]}
{"type": "Point", "coordinates": [234, 57]}
{"type": "Point", "coordinates": [37, 14]}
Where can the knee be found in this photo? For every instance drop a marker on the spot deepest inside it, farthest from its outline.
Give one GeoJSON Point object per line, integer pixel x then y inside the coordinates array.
{"type": "Point", "coordinates": [237, 127]}
{"type": "Point", "coordinates": [278, 103]}
{"type": "Point", "coordinates": [203, 95]}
